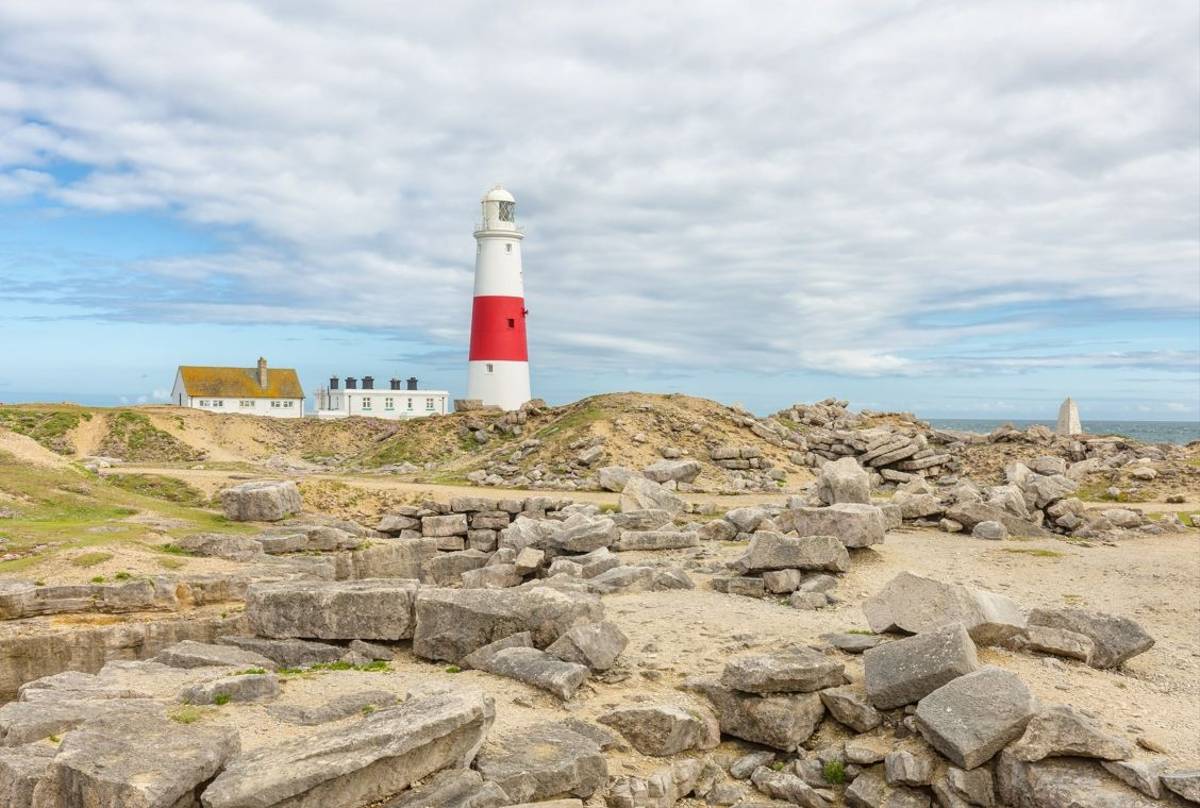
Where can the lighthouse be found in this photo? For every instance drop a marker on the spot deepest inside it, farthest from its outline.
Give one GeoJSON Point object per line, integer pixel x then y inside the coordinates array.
{"type": "Point", "coordinates": [498, 365]}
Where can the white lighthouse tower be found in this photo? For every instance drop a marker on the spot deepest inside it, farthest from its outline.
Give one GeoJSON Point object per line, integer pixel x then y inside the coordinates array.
{"type": "Point", "coordinates": [498, 366]}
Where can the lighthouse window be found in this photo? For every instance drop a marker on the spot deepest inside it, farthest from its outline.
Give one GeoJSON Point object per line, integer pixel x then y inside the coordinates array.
{"type": "Point", "coordinates": [507, 209]}
{"type": "Point", "coordinates": [508, 248]}
{"type": "Point", "coordinates": [512, 323]}
{"type": "Point", "coordinates": [490, 368]}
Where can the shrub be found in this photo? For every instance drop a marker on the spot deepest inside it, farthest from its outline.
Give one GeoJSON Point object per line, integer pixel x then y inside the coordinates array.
{"type": "Point", "coordinates": [834, 772]}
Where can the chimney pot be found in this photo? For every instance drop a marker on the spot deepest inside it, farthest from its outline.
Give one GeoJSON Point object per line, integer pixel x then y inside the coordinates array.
{"type": "Point", "coordinates": [333, 382]}
{"type": "Point", "coordinates": [351, 383]}
{"type": "Point", "coordinates": [368, 382]}
{"type": "Point", "coordinates": [412, 382]}
{"type": "Point", "coordinates": [262, 373]}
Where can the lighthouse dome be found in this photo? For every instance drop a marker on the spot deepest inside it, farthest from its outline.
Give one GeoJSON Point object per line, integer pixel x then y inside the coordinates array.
{"type": "Point", "coordinates": [498, 194]}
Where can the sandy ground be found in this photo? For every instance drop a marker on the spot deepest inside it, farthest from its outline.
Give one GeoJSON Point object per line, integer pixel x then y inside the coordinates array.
{"type": "Point", "coordinates": [30, 451]}
{"type": "Point", "coordinates": [89, 434]}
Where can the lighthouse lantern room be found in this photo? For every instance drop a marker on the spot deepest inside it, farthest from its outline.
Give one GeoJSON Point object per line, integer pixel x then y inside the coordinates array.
{"type": "Point", "coordinates": [498, 366]}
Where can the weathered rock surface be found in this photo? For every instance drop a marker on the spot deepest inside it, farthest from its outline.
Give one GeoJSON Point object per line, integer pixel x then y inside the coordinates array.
{"type": "Point", "coordinates": [855, 524]}
{"type": "Point", "coordinates": [287, 653]}
{"type": "Point", "coordinates": [976, 715]}
{"type": "Point", "coordinates": [261, 501]}
{"type": "Point", "coordinates": [189, 654]}
{"type": "Point", "coordinates": [774, 551]}
{"type": "Point", "coordinates": [1064, 783]}
{"type": "Point", "coordinates": [350, 766]}
{"type": "Point", "coordinates": [596, 645]}
{"type": "Point", "coordinates": [240, 687]}
{"type": "Point", "coordinates": [788, 787]}
{"type": "Point", "coordinates": [871, 790]}
{"type": "Point", "coordinates": [849, 706]}
{"type": "Point", "coordinates": [905, 671]}
{"type": "Point", "coordinates": [640, 493]}
{"type": "Point", "coordinates": [1115, 639]}
{"type": "Point", "coordinates": [335, 709]}
{"type": "Point", "coordinates": [782, 721]}
{"type": "Point", "coordinates": [372, 609]}
{"type": "Point", "coordinates": [797, 670]}
{"type": "Point", "coordinates": [537, 668]}
{"type": "Point", "coordinates": [664, 729]}
{"type": "Point", "coordinates": [541, 761]}
{"type": "Point", "coordinates": [451, 788]}
{"type": "Point", "coordinates": [452, 623]}
{"type": "Point", "coordinates": [682, 471]}
{"type": "Point", "coordinates": [843, 481]}
{"type": "Point", "coordinates": [915, 604]}
{"type": "Point", "coordinates": [656, 540]}
{"type": "Point", "coordinates": [1062, 731]}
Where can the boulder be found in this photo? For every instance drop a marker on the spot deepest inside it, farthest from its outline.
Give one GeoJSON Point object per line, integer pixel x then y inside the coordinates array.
{"type": "Point", "coordinates": [651, 519]}
{"type": "Point", "coordinates": [596, 645]}
{"type": "Point", "coordinates": [796, 670]}
{"type": "Point", "coordinates": [1062, 731]}
{"type": "Point", "coordinates": [641, 493]}
{"type": "Point", "coordinates": [454, 788]}
{"type": "Point", "coordinates": [656, 540]}
{"type": "Point", "coordinates": [968, 514]}
{"type": "Point", "coordinates": [681, 471]}
{"type": "Point", "coordinates": [584, 534]}
{"type": "Point", "coordinates": [287, 653]}
{"type": "Point", "coordinates": [444, 569]}
{"type": "Point", "coordinates": [849, 705]}
{"type": "Point", "coordinates": [222, 545]}
{"type": "Point", "coordinates": [1144, 774]}
{"type": "Point", "coordinates": [911, 766]}
{"type": "Point", "coordinates": [21, 769]}
{"type": "Point", "coordinates": [855, 524]}
{"type": "Point", "coordinates": [451, 623]}
{"type": "Point", "coordinates": [534, 667]}
{"type": "Point", "coordinates": [871, 790]}
{"type": "Point", "coordinates": [493, 576]}
{"type": "Point", "coordinates": [613, 478]}
{"type": "Point", "coordinates": [1184, 783]}
{"type": "Point", "coordinates": [1057, 641]}
{"type": "Point", "coordinates": [747, 520]}
{"type": "Point", "coordinates": [843, 481]}
{"type": "Point", "coordinates": [240, 687]}
{"type": "Point", "coordinates": [781, 785]}
{"type": "Point", "coordinates": [1115, 639]}
{"type": "Point", "coordinates": [372, 609]}
{"type": "Point", "coordinates": [664, 729]}
{"type": "Point", "coordinates": [914, 604]}
{"type": "Point", "coordinates": [337, 708]}
{"type": "Point", "coordinates": [136, 760]}
{"type": "Point", "coordinates": [454, 524]}
{"type": "Point", "coordinates": [189, 654]}
{"type": "Point", "coordinates": [774, 551]}
{"type": "Point", "coordinates": [356, 764]}
{"type": "Point", "coordinates": [781, 721]}
{"type": "Point", "coordinates": [261, 501]}
{"type": "Point", "coordinates": [976, 715]}
{"type": "Point", "coordinates": [541, 761]}
{"type": "Point", "coordinates": [993, 531]}
{"type": "Point", "coordinates": [905, 671]}
{"type": "Point", "coordinates": [917, 505]}
{"type": "Point", "coordinates": [1064, 783]}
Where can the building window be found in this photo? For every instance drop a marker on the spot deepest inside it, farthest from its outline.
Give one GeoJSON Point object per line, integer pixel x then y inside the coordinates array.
{"type": "Point", "coordinates": [288, 403]}
{"type": "Point", "coordinates": [410, 403]}
{"type": "Point", "coordinates": [389, 404]}
{"type": "Point", "coordinates": [366, 403]}
{"type": "Point", "coordinates": [429, 403]}
{"type": "Point", "coordinates": [491, 368]}
{"type": "Point", "coordinates": [246, 403]}
{"type": "Point", "coordinates": [203, 402]}
{"type": "Point", "coordinates": [218, 403]}
{"type": "Point", "coordinates": [275, 404]}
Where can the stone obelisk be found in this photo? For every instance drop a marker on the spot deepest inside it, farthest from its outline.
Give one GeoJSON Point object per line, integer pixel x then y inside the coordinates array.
{"type": "Point", "coordinates": [1068, 419]}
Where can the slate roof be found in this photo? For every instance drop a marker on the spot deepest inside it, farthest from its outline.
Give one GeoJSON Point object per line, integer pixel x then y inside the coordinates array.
{"type": "Point", "coordinates": [240, 382]}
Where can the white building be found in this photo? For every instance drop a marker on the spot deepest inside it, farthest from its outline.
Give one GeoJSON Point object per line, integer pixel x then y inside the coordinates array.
{"type": "Point", "coordinates": [274, 392]}
{"type": "Point", "coordinates": [498, 362]}
{"type": "Point", "coordinates": [399, 400]}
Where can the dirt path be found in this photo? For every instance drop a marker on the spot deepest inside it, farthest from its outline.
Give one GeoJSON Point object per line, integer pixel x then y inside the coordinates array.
{"type": "Point", "coordinates": [89, 434]}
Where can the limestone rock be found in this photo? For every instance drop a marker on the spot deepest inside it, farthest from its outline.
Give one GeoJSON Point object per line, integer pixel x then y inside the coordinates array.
{"type": "Point", "coordinates": [596, 645]}
{"type": "Point", "coordinates": [241, 687]}
{"type": "Point", "coordinates": [1184, 783]}
{"type": "Point", "coordinates": [287, 653]}
{"type": "Point", "coordinates": [681, 471]}
{"type": "Point", "coordinates": [664, 729]}
{"type": "Point", "coordinates": [968, 514]}
{"type": "Point", "coordinates": [372, 609]}
{"type": "Point", "coordinates": [656, 540]}
{"type": "Point", "coordinates": [452, 623]}
{"type": "Point", "coordinates": [613, 478]}
{"type": "Point", "coordinates": [1057, 641]}
{"type": "Point", "coordinates": [21, 769]}
{"type": "Point", "coordinates": [453, 788]}
{"type": "Point", "coordinates": [788, 787]}
{"type": "Point", "coordinates": [871, 790]}
{"type": "Point", "coordinates": [1062, 731]}
{"type": "Point", "coordinates": [537, 668]}
{"type": "Point", "coordinates": [994, 531]}
{"type": "Point", "coordinates": [189, 654]}
{"type": "Point", "coordinates": [797, 670]}
{"type": "Point", "coordinates": [1064, 783]}
{"type": "Point", "coordinates": [1116, 639]}
{"type": "Point", "coordinates": [782, 721]}
{"type": "Point", "coordinates": [584, 534]}
{"type": "Point", "coordinates": [905, 671]}
{"type": "Point", "coordinates": [774, 551]}
{"type": "Point", "coordinates": [914, 604]}
{"type": "Point", "coordinates": [337, 708]}
{"type": "Point", "coordinates": [367, 760]}
{"type": "Point", "coordinates": [537, 762]}
{"type": "Point", "coordinates": [640, 493]}
{"type": "Point", "coordinates": [1144, 774]}
{"type": "Point", "coordinates": [855, 524]}
{"type": "Point", "coordinates": [843, 481]}
{"type": "Point", "coordinates": [261, 501]}
{"type": "Point", "coordinates": [849, 706]}
{"type": "Point", "coordinates": [974, 716]}
{"type": "Point", "coordinates": [912, 766]}
{"type": "Point", "coordinates": [136, 761]}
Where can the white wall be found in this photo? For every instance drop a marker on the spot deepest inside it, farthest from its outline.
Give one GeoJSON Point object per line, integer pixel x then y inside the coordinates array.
{"type": "Point", "coordinates": [393, 404]}
{"type": "Point", "coordinates": [269, 407]}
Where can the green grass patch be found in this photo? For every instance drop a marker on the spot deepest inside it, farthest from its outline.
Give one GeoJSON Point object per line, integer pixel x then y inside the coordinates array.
{"type": "Point", "coordinates": [453, 669]}
{"type": "Point", "coordinates": [170, 548]}
{"type": "Point", "coordinates": [584, 415]}
{"type": "Point", "coordinates": [866, 632]}
{"type": "Point", "coordinates": [367, 709]}
{"type": "Point", "coordinates": [90, 559]}
{"type": "Point", "coordinates": [170, 489]}
{"type": "Point", "coordinates": [250, 672]}
{"type": "Point", "coordinates": [374, 666]}
{"type": "Point", "coordinates": [132, 436]}
{"type": "Point", "coordinates": [834, 772]}
{"type": "Point", "coordinates": [47, 427]}
{"type": "Point", "coordinates": [122, 575]}
{"type": "Point", "coordinates": [187, 715]}
{"type": "Point", "coordinates": [99, 579]}
{"type": "Point", "coordinates": [1034, 551]}
{"type": "Point", "coordinates": [221, 699]}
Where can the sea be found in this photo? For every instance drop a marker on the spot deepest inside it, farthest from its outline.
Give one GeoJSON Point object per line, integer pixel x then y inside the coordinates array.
{"type": "Point", "coordinates": [1145, 431]}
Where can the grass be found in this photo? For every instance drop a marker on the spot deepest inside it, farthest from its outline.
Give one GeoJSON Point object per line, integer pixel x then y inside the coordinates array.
{"type": "Point", "coordinates": [834, 772]}
{"type": "Point", "coordinates": [250, 672]}
{"type": "Point", "coordinates": [170, 548]}
{"type": "Point", "coordinates": [187, 715]}
{"type": "Point", "coordinates": [170, 489]}
{"type": "Point", "coordinates": [453, 669]}
{"type": "Point", "coordinates": [1098, 492]}
{"type": "Point", "coordinates": [1034, 551]}
{"type": "Point", "coordinates": [866, 632]}
{"type": "Point", "coordinates": [132, 436]}
{"type": "Point", "coordinates": [91, 559]}
{"type": "Point", "coordinates": [99, 579]}
{"type": "Point", "coordinates": [375, 666]}
{"type": "Point", "coordinates": [171, 563]}
{"type": "Point", "coordinates": [221, 699]}
{"type": "Point", "coordinates": [122, 575]}
{"type": "Point", "coordinates": [48, 427]}
{"type": "Point", "coordinates": [367, 709]}
{"type": "Point", "coordinates": [572, 421]}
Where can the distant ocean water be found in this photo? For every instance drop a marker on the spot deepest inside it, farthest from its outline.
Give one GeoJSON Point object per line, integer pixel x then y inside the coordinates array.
{"type": "Point", "coordinates": [1146, 431]}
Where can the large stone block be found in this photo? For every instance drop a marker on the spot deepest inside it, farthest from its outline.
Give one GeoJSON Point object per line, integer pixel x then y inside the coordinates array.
{"type": "Point", "coordinates": [797, 670]}
{"type": "Point", "coordinates": [373, 609]}
{"type": "Point", "coordinates": [640, 493]}
{"type": "Point", "coordinates": [774, 551]}
{"type": "Point", "coordinates": [843, 481]}
{"type": "Point", "coordinates": [1066, 783]}
{"type": "Point", "coordinates": [681, 471]}
{"type": "Point", "coordinates": [905, 671]}
{"type": "Point", "coordinates": [362, 762]}
{"type": "Point", "coordinates": [664, 729]}
{"type": "Point", "coordinates": [782, 721]}
{"type": "Point", "coordinates": [914, 604]}
{"type": "Point", "coordinates": [1115, 639]}
{"type": "Point", "coordinates": [974, 716]}
{"type": "Point", "coordinates": [535, 763]}
{"type": "Point", "coordinates": [451, 623]}
{"type": "Point", "coordinates": [261, 501]}
{"type": "Point", "coordinates": [856, 524]}
{"type": "Point", "coordinates": [656, 540]}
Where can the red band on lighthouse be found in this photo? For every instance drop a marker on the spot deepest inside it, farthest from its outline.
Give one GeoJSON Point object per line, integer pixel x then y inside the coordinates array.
{"type": "Point", "coordinates": [498, 329]}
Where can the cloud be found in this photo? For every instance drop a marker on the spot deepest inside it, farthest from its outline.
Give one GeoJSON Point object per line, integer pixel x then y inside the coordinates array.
{"type": "Point", "coordinates": [860, 190]}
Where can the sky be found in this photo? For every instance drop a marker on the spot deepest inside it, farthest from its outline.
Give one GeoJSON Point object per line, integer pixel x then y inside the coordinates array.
{"type": "Point", "coordinates": [961, 209]}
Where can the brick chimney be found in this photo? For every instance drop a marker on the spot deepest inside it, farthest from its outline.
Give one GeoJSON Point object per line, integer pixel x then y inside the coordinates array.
{"type": "Point", "coordinates": [262, 373]}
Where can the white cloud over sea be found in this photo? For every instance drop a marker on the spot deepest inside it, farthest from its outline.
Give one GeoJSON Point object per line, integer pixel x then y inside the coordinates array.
{"type": "Point", "coordinates": [862, 189]}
